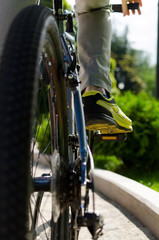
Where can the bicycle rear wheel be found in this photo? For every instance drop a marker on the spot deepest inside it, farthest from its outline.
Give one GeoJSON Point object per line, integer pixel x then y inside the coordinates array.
{"type": "Point", "coordinates": [33, 114]}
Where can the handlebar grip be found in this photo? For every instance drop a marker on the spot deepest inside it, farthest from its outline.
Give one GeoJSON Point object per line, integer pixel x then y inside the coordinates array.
{"type": "Point", "coordinates": [118, 7]}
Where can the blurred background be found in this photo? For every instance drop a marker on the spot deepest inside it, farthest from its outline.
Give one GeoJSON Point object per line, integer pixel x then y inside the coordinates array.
{"type": "Point", "coordinates": [142, 29]}
{"type": "Point", "coordinates": [133, 73]}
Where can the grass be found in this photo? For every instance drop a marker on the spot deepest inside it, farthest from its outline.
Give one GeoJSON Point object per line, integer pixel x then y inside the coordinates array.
{"type": "Point", "coordinates": [112, 163]}
{"type": "Point", "coordinates": [148, 178]}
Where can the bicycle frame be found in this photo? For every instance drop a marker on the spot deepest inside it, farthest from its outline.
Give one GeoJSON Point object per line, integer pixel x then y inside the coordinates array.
{"type": "Point", "coordinates": [73, 82]}
{"type": "Point", "coordinates": [72, 77]}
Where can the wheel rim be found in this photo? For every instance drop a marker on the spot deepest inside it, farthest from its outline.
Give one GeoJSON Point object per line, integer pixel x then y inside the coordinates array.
{"type": "Point", "coordinates": [46, 125]}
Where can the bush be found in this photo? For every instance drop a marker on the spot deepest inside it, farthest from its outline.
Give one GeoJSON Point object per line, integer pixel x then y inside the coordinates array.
{"type": "Point", "coordinates": [141, 149]}
{"type": "Point", "coordinates": [110, 163]}
{"type": "Point", "coordinates": [44, 136]}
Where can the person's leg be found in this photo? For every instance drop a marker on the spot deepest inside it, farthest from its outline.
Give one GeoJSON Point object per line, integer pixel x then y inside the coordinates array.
{"type": "Point", "coordinates": [8, 10]}
{"type": "Point", "coordinates": [89, 5]}
{"type": "Point", "coordinates": [94, 43]}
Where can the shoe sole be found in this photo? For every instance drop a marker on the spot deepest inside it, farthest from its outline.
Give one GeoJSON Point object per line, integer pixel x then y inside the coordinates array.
{"type": "Point", "coordinates": [107, 126]}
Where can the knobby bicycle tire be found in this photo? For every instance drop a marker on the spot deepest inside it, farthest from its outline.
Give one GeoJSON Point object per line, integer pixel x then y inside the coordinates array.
{"type": "Point", "coordinates": [32, 88]}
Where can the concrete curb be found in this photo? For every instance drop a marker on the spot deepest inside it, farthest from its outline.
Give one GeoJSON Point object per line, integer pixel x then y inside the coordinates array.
{"type": "Point", "coordinates": [138, 199]}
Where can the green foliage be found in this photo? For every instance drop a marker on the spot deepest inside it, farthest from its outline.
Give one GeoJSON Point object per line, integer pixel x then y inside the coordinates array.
{"type": "Point", "coordinates": [148, 178]}
{"type": "Point", "coordinates": [48, 3]}
{"type": "Point", "coordinates": [135, 71]}
{"type": "Point", "coordinates": [66, 5]}
{"type": "Point", "coordinates": [130, 73]}
{"type": "Point", "coordinates": [146, 72]}
{"type": "Point", "coordinates": [140, 150]}
{"type": "Point", "coordinates": [43, 135]}
{"type": "Point", "coordinates": [115, 91]}
{"type": "Point", "coordinates": [120, 44]}
{"type": "Point", "coordinates": [111, 163]}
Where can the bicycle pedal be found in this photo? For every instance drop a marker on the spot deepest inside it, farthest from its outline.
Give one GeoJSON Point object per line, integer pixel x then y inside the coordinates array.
{"type": "Point", "coordinates": [121, 137]}
{"type": "Point", "coordinates": [94, 222]}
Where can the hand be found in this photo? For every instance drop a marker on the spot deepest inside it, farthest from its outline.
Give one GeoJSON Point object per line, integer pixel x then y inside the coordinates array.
{"type": "Point", "coordinates": [125, 9]}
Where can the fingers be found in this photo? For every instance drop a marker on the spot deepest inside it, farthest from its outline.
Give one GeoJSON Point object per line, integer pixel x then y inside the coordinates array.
{"type": "Point", "coordinates": [125, 9]}
{"type": "Point", "coordinates": [140, 4]}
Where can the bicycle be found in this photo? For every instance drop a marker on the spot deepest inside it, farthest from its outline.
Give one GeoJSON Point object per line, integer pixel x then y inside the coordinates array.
{"type": "Point", "coordinates": [40, 97]}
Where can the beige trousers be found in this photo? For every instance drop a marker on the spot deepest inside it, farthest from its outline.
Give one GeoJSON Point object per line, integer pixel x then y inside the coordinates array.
{"type": "Point", "coordinates": [94, 42]}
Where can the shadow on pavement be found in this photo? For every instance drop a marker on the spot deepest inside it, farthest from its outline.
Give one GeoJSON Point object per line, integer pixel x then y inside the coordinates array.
{"type": "Point", "coordinates": [129, 216]}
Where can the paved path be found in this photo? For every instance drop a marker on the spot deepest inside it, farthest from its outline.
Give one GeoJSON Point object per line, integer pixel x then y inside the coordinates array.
{"type": "Point", "coordinates": [119, 224]}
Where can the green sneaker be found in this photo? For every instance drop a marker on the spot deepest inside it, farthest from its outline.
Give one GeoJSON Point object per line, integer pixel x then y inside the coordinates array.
{"type": "Point", "coordinates": [102, 114]}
